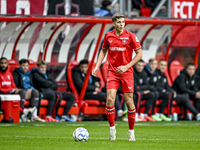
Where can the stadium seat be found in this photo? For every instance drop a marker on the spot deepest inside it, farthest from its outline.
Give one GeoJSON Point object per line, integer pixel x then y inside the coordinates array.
{"type": "Point", "coordinates": [90, 107]}
{"type": "Point", "coordinates": [32, 64]}
{"type": "Point", "coordinates": [145, 12]}
{"type": "Point", "coordinates": [175, 69]}
{"type": "Point", "coordinates": [12, 64]}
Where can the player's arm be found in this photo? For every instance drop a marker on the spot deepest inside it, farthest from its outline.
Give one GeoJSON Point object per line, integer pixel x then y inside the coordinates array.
{"type": "Point", "coordinates": [138, 56]}
{"type": "Point", "coordinates": [99, 61]}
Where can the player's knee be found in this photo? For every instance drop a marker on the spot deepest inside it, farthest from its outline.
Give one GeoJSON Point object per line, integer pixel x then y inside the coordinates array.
{"type": "Point", "coordinates": [110, 98]}
{"type": "Point", "coordinates": [151, 95]}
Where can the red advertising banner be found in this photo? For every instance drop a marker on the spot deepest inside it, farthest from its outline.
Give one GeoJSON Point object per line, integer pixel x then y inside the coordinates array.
{"type": "Point", "coordinates": [186, 9]}
{"type": "Point", "coordinates": [24, 7]}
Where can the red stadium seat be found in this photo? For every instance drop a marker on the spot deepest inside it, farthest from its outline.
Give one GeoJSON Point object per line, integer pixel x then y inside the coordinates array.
{"type": "Point", "coordinates": [12, 64]}
{"type": "Point", "coordinates": [145, 12]}
{"type": "Point", "coordinates": [32, 64]}
{"type": "Point", "coordinates": [175, 69]}
{"type": "Point", "coordinates": [92, 107]}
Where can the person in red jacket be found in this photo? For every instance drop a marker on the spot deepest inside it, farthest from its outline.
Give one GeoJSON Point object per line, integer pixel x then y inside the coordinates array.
{"type": "Point", "coordinates": [7, 86]}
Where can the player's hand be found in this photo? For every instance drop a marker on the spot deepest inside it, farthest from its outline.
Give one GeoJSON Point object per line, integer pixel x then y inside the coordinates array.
{"type": "Point", "coordinates": [174, 94]}
{"type": "Point", "coordinates": [197, 95]}
{"type": "Point", "coordinates": [94, 71]}
{"type": "Point", "coordinates": [163, 90]}
{"type": "Point", "coordinates": [97, 89]}
{"type": "Point", "coordinates": [147, 91]}
{"type": "Point", "coordinates": [121, 69]}
{"type": "Point", "coordinates": [97, 84]}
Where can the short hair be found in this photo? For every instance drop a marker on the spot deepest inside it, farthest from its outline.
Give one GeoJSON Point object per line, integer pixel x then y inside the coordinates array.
{"type": "Point", "coordinates": [189, 64]}
{"type": "Point", "coordinates": [117, 16]}
{"type": "Point", "coordinates": [141, 60]}
{"type": "Point", "coordinates": [162, 60]}
{"type": "Point", "coordinates": [22, 61]}
{"type": "Point", "coordinates": [41, 62]}
{"type": "Point", "coordinates": [152, 59]}
{"type": "Point", "coordinates": [84, 61]}
{"type": "Point", "coordinates": [3, 58]}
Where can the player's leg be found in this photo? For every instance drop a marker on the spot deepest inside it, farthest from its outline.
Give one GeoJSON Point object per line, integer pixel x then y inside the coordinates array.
{"type": "Point", "coordinates": [33, 96]}
{"type": "Point", "coordinates": [131, 114]}
{"type": "Point", "coordinates": [166, 97]}
{"type": "Point", "coordinates": [110, 112]}
{"type": "Point", "coordinates": [150, 99]}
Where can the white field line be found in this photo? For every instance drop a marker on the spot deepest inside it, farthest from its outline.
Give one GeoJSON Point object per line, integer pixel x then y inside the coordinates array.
{"type": "Point", "coordinates": [99, 138]}
{"type": "Point", "coordinates": [106, 124]}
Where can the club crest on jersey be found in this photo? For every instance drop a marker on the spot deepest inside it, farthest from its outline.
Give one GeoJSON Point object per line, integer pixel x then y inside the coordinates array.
{"type": "Point", "coordinates": [124, 41]}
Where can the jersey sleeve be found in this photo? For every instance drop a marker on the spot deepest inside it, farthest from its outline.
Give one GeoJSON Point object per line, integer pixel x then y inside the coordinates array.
{"type": "Point", "coordinates": [105, 43]}
{"type": "Point", "coordinates": [135, 44]}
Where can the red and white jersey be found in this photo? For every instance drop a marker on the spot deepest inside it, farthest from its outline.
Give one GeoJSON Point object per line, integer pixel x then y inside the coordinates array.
{"type": "Point", "coordinates": [6, 82]}
{"type": "Point", "coordinates": [120, 48]}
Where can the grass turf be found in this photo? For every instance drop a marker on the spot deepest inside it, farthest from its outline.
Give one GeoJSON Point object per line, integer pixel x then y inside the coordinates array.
{"type": "Point", "coordinates": [149, 135]}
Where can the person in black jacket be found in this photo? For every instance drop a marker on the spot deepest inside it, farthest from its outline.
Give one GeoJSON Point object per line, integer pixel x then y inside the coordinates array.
{"type": "Point", "coordinates": [92, 90]}
{"type": "Point", "coordinates": [160, 93]}
{"type": "Point", "coordinates": [23, 80]}
{"type": "Point", "coordinates": [186, 83]}
{"type": "Point", "coordinates": [48, 86]}
{"type": "Point", "coordinates": [142, 86]}
{"type": "Point", "coordinates": [198, 77]}
{"type": "Point", "coordinates": [179, 98]}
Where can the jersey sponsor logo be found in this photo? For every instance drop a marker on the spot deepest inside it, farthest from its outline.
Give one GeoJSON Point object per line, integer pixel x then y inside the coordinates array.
{"type": "Point", "coordinates": [129, 87]}
{"type": "Point", "coordinates": [117, 48]}
{"type": "Point", "coordinates": [110, 41]}
{"type": "Point", "coordinates": [165, 80]}
{"type": "Point", "coordinates": [124, 41]}
{"type": "Point", "coordinates": [6, 83]}
{"type": "Point", "coordinates": [124, 38]}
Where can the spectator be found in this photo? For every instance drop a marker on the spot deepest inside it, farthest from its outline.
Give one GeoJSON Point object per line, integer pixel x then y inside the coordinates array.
{"type": "Point", "coordinates": [105, 9]}
{"type": "Point", "coordinates": [142, 86]}
{"type": "Point", "coordinates": [179, 98]}
{"type": "Point", "coordinates": [47, 86]}
{"type": "Point", "coordinates": [92, 91]}
{"type": "Point", "coordinates": [186, 83]}
{"type": "Point", "coordinates": [152, 74]}
{"type": "Point", "coordinates": [23, 80]}
{"type": "Point", "coordinates": [8, 86]}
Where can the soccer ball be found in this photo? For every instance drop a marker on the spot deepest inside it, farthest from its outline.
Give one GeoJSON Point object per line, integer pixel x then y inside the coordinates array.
{"type": "Point", "coordinates": [80, 134]}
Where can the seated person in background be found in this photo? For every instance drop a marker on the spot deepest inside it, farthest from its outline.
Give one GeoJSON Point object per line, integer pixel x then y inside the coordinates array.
{"type": "Point", "coordinates": [48, 86]}
{"type": "Point", "coordinates": [141, 85]}
{"type": "Point", "coordinates": [105, 9]}
{"type": "Point", "coordinates": [186, 83]}
{"type": "Point", "coordinates": [23, 80]}
{"type": "Point", "coordinates": [92, 91]}
{"type": "Point", "coordinates": [152, 77]}
{"type": "Point", "coordinates": [179, 98]}
{"type": "Point", "coordinates": [7, 86]}
{"type": "Point", "coordinates": [198, 77]}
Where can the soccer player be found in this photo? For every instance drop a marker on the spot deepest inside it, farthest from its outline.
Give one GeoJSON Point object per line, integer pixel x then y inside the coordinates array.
{"type": "Point", "coordinates": [120, 44]}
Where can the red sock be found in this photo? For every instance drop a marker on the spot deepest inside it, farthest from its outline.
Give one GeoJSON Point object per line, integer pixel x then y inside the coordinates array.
{"type": "Point", "coordinates": [131, 118]}
{"type": "Point", "coordinates": [110, 112]}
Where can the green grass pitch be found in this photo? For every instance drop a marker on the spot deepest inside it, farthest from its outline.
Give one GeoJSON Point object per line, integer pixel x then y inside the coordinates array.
{"type": "Point", "coordinates": [181, 135]}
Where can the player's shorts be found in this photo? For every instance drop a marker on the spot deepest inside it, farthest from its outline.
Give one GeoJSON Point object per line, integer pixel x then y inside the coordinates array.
{"type": "Point", "coordinates": [125, 80]}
